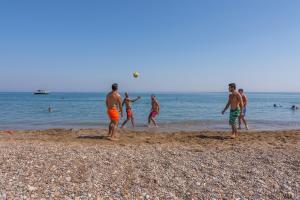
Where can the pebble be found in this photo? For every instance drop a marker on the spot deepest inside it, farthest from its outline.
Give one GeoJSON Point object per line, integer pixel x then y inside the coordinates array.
{"type": "Point", "coordinates": [32, 188]}
{"type": "Point", "coordinates": [68, 179]}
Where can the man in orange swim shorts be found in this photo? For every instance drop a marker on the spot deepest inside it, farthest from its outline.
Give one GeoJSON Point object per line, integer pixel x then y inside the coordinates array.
{"type": "Point", "coordinates": [114, 106]}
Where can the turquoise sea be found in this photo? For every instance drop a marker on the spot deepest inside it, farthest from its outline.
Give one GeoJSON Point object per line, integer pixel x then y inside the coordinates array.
{"type": "Point", "coordinates": [193, 111]}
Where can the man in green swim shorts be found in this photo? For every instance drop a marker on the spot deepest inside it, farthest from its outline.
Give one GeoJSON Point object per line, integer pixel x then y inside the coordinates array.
{"type": "Point", "coordinates": [235, 102]}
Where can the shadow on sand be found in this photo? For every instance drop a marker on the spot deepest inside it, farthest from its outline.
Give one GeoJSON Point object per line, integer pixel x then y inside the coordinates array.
{"type": "Point", "coordinates": [213, 137]}
{"type": "Point", "coordinates": [96, 137]}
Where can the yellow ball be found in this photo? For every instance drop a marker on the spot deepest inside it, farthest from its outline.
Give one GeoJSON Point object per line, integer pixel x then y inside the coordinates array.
{"type": "Point", "coordinates": [136, 74]}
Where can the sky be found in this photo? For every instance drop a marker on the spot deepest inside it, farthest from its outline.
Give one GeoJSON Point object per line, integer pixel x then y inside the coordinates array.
{"type": "Point", "coordinates": [175, 45]}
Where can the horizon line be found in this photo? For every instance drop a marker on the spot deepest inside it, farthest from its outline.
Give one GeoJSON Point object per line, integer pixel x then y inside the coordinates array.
{"type": "Point", "coordinates": [151, 92]}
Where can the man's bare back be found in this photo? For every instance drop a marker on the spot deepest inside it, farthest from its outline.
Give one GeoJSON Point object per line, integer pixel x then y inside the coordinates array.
{"type": "Point", "coordinates": [245, 99]}
{"type": "Point", "coordinates": [113, 100]}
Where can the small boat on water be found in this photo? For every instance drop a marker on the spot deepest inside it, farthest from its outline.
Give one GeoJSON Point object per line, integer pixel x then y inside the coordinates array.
{"type": "Point", "coordinates": [41, 92]}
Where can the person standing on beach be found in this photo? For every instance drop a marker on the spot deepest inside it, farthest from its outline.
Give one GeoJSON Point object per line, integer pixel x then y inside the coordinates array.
{"type": "Point", "coordinates": [155, 108]}
{"type": "Point", "coordinates": [243, 114]}
{"type": "Point", "coordinates": [114, 106]}
{"type": "Point", "coordinates": [127, 101]}
{"type": "Point", "coordinates": [235, 102]}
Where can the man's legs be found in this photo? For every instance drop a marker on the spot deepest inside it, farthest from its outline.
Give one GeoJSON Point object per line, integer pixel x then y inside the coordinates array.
{"type": "Point", "coordinates": [153, 121]}
{"type": "Point", "coordinates": [234, 116]}
{"type": "Point", "coordinates": [132, 122]}
{"type": "Point", "coordinates": [240, 122]}
{"type": "Point", "coordinates": [110, 129]}
{"type": "Point", "coordinates": [245, 122]}
{"type": "Point", "coordinates": [234, 130]}
{"type": "Point", "coordinates": [149, 119]}
{"type": "Point", "coordinates": [242, 119]}
{"type": "Point", "coordinates": [124, 123]}
{"type": "Point", "coordinates": [114, 129]}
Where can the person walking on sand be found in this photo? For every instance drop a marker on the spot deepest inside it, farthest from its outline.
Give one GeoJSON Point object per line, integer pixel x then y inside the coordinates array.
{"type": "Point", "coordinates": [114, 106]}
{"type": "Point", "coordinates": [155, 108]}
{"type": "Point", "coordinates": [127, 101]}
{"type": "Point", "coordinates": [243, 114]}
{"type": "Point", "coordinates": [235, 102]}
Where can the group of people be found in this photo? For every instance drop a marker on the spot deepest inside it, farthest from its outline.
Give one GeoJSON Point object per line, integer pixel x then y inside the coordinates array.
{"type": "Point", "coordinates": [237, 102]}
{"type": "Point", "coordinates": [115, 105]}
{"type": "Point", "coordinates": [294, 107]}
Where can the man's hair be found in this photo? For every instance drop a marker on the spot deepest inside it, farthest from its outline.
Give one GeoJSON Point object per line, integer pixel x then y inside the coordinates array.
{"type": "Point", "coordinates": [241, 90]}
{"type": "Point", "coordinates": [232, 85]}
{"type": "Point", "coordinates": [114, 87]}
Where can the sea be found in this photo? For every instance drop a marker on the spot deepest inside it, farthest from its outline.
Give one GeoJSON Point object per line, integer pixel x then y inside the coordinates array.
{"type": "Point", "coordinates": [179, 111]}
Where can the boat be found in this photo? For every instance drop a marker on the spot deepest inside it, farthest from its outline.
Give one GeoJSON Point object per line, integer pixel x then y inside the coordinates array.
{"type": "Point", "coordinates": [44, 92]}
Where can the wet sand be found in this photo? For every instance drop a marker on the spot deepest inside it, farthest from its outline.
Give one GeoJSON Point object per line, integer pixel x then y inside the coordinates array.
{"type": "Point", "coordinates": [83, 164]}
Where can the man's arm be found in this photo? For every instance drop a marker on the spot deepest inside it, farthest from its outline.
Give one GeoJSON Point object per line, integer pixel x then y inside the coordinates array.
{"type": "Point", "coordinates": [158, 106]}
{"type": "Point", "coordinates": [241, 103]}
{"type": "Point", "coordinates": [106, 101]}
{"type": "Point", "coordinates": [227, 106]}
{"type": "Point", "coordinates": [134, 100]}
{"type": "Point", "coordinates": [246, 100]}
{"type": "Point", "coordinates": [123, 102]}
{"type": "Point", "coordinates": [120, 105]}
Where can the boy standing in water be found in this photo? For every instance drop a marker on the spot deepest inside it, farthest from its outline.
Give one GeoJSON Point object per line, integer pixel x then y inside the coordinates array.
{"type": "Point", "coordinates": [235, 102]}
{"type": "Point", "coordinates": [127, 101]}
{"type": "Point", "coordinates": [114, 106]}
{"type": "Point", "coordinates": [243, 114]}
{"type": "Point", "coordinates": [154, 111]}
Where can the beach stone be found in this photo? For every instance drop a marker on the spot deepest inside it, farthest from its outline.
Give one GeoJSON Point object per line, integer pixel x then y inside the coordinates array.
{"type": "Point", "coordinates": [3, 196]}
{"type": "Point", "coordinates": [32, 188]}
{"type": "Point", "coordinates": [68, 179]}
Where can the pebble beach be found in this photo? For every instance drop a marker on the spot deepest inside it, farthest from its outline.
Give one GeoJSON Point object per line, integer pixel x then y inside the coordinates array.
{"type": "Point", "coordinates": [83, 164]}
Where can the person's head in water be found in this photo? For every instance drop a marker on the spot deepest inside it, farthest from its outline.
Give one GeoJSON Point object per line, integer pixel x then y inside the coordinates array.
{"type": "Point", "coordinates": [275, 105]}
{"type": "Point", "coordinates": [114, 87]}
{"type": "Point", "coordinates": [231, 87]}
{"type": "Point", "coordinates": [126, 94]}
{"type": "Point", "coordinates": [241, 91]}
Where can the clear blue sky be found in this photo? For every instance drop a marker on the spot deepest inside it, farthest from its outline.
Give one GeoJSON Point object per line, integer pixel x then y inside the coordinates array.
{"type": "Point", "coordinates": [176, 45]}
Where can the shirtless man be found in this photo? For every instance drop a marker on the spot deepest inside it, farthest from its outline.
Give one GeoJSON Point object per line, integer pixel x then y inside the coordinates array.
{"type": "Point", "coordinates": [243, 114]}
{"type": "Point", "coordinates": [127, 101]}
{"type": "Point", "coordinates": [154, 111]}
{"type": "Point", "coordinates": [114, 106]}
{"type": "Point", "coordinates": [235, 102]}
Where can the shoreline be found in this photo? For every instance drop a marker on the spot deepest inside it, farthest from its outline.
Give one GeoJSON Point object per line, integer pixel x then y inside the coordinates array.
{"type": "Point", "coordinates": [131, 136]}
{"type": "Point", "coordinates": [83, 164]}
{"type": "Point", "coordinates": [169, 127]}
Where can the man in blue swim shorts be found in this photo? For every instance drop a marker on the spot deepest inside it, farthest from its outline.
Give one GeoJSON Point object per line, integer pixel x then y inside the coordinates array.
{"type": "Point", "coordinates": [243, 114]}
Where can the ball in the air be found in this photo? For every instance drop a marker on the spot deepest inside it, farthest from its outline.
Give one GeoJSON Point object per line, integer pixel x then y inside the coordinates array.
{"type": "Point", "coordinates": [136, 74]}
